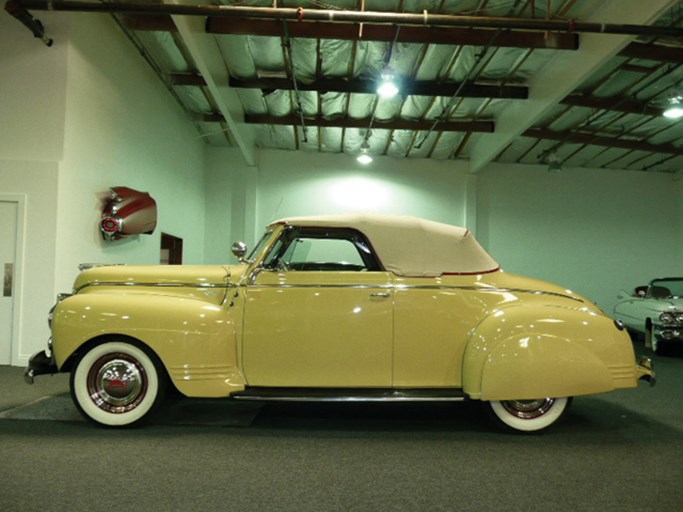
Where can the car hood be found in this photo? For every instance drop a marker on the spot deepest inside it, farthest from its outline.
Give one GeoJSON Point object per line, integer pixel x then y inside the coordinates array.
{"type": "Point", "coordinates": [664, 304]}
{"type": "Point", "coordinates": [170, 276]}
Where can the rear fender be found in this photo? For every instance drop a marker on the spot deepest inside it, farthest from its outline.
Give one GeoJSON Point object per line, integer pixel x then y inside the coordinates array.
{"type": "Point", "coordinates": [525, 352]}
{"type": "Point", "coordinates": [195, 340]}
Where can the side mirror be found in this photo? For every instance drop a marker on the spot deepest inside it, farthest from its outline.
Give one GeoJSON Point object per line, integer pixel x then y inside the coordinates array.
{"type": "Point", "coordinates": [239, 249]}
{"type": "Point", "coordinates": [623, 294]}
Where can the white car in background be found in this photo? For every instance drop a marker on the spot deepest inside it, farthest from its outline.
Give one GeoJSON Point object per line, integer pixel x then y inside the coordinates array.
{"type": "Point", "coordinates": [655, 310]}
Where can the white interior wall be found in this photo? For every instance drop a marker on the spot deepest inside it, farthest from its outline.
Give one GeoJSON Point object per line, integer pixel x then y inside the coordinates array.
{"type": "Point", "coordinates": [230, 197]}
{"type": "Point", "coordinates": [76, 119]}
{"type": "Point", "coordinates": [32, 106]}
{"type": "Point", "coordinates": [593, 231]}
{"type": "Point", "coordinates": [123, 128]}
{"type": "Point", "coordinates": [298, 183]}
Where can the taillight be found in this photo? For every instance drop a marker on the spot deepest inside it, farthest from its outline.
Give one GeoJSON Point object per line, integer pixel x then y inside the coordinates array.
{"type": "Point", "coordinates": [110, 225]}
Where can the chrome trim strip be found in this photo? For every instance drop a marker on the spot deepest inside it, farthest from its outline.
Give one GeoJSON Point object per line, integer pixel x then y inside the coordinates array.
{"type": "Point", "coordinates": [351, 286]}
{"type": "Point", "coordinates": [161, 285]}
{"type": "Point", "coordinates": [348, 399]}
{"type": "Point", "coordinates": [419, 287]}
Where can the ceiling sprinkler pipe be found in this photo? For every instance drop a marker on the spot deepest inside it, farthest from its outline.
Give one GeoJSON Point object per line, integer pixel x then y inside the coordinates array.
{"type": "Point", "coordinates": [16, 9]}
{"type": "Point", "coordinates": [294, 14]}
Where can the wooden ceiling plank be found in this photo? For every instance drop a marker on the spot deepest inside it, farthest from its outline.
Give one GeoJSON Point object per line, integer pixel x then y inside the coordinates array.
{"type": "Point", "coordinates": [387, 33]}
{"type": "Point", "coordinates": [408, 87]}
{"type": "Point", "coordinates": [653, 52]}
{"type": "Point", "coordinates": [597, 140]}
{"type": "Point", "coordinates": [619, 104]}
{"type": "Point", "coordinates": [481, 126]}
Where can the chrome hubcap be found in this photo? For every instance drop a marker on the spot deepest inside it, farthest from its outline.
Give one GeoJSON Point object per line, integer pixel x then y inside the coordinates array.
{"type": "Point", "coordinates": [528, 409]}
{"type": "Point", "coordinates": [117, 383]}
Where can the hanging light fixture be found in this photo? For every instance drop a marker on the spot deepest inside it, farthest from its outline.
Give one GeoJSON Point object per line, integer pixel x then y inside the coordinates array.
{"type": "Point", "coordinates": [675, 108]}
{"type": "Point", "coordinates": [387, 87]}
{"type": "Point", "coordinates": [364, 156]}
{"type": "Point", "coordinates": [554, 162]}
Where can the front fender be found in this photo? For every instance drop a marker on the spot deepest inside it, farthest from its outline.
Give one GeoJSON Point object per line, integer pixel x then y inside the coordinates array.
{"type": "Point", "coordinates": [195, 340]}
{"type": "Point", "coordinates": [523, 352]}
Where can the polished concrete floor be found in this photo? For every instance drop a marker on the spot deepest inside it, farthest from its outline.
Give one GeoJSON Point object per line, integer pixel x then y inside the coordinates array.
{"type": "Point", "coordinates": [621, 451]}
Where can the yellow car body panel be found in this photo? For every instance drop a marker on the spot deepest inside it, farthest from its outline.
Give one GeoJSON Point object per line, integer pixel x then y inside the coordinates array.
{"type": "Point", "coordinates": [218, 330]}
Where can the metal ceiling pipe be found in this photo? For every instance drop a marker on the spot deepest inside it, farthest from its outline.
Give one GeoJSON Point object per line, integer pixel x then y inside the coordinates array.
{"type": "Point", "coordinates": [14, 8]}
{"type": "Point", "coordinates": [292, 14]}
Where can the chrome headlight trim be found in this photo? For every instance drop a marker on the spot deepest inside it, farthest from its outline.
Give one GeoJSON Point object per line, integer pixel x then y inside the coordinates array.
{"type": "Point", "coordinates": [666, 317]}
{"type": "Point", "coordinates": [51, 314]}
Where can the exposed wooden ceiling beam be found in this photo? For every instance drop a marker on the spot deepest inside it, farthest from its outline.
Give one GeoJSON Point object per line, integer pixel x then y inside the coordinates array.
{"type": "Point", "coordinates": [387, 33]}
{"type": "Point", "coordinates": [408, 87]}
{"type": "Point", "coordinates": [150, 22]}
{"type": "Point", "coordinates": [656, 52]}
{"type": "Point", "coordinates": [187, 79]}
{"type": "Point", "coordinates": [596, 140]}
{"type": "Point", "coordinates": [618, 104]}
{"type": "Point", "coordinates": [398, 124]}
{"type": "Point", "coordinates": [433, 35]}
{"type": "Point", "coordinates": [562, 75]}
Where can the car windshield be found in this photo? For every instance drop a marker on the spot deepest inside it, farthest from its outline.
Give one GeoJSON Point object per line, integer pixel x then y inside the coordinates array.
{"type": "Point", "coordinates": [259, 246]}
{"type": "Point", "coordinates": [666, 288]}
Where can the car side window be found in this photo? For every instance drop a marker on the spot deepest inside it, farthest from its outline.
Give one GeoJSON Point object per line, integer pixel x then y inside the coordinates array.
{"type": "Point", "coordinates": [318, 249]}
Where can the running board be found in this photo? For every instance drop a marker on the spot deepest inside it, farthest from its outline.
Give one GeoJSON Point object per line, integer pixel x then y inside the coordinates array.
{"type": "Point", "coordinates": [350, 395]}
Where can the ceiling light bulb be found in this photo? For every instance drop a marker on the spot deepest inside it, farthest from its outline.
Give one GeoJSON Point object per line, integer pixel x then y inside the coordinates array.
{"type": "Point", "coordinates": [675, 108]}
{"type": "Point", "coordinates": [673, 112]}
{"type": "Point", "coordinates": [364, 157]}
{"type": "Point", "coordinates": [387, 88]}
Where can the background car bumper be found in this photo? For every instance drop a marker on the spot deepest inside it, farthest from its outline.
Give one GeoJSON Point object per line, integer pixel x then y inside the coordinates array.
{"type": "Point", "coordinates": [646, 370]}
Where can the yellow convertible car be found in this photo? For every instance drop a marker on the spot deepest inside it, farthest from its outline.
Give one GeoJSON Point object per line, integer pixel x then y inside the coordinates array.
{"type": "Point", "coordinates": [336, 308]}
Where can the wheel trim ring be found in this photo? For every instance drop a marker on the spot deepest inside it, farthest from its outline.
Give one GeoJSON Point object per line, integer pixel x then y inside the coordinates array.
{"type": "Point", "coordinates": [108, 397]}
{"type": "Point", "coordinates": [528, 409]}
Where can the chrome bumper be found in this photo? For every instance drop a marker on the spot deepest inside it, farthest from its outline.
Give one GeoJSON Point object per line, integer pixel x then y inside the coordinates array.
{"type": "Point", "coordinates": [646, 370]}
{"type": "Point", "coordinates": [40, 364]}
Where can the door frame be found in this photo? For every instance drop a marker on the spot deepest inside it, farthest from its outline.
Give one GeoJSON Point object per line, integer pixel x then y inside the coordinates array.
{"type": "Point", "coordinates": [18, 281]}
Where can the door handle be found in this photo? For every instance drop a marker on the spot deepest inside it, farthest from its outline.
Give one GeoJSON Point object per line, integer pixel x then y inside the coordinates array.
{"type": "Point", "coordinates": [383, 295]}
{"type": "Point", "coordinates": [7, 281]}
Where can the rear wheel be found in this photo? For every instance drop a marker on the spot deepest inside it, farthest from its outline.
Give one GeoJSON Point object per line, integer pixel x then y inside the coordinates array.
{"type": "Point", "coordinates": [528, 415]}
{"type": "Point", "coordinates": [117, 383]}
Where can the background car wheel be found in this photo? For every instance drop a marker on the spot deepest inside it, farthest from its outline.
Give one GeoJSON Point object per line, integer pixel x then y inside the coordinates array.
{"type": "Point", "coordinates": [649, 335]}
{"type": "Point", "coordinates": [528, 415]}
{"type": "Point", "coordinates": [653, 342]}
{"type": "Point", "coordinates": [117, 384]}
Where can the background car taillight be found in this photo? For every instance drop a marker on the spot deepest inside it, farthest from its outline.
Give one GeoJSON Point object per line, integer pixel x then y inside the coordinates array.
{"type": "Point", "coordinates": [110, 225]}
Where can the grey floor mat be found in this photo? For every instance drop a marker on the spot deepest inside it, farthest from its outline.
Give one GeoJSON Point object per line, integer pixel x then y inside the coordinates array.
{"type": "Point", "coordinates": [215, 412]}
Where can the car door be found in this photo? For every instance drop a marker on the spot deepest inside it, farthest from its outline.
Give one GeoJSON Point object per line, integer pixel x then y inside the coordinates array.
{"type": "Point", "coordinates": [632, 312]}
{"type": "Point", "coordinates": [318, 313]}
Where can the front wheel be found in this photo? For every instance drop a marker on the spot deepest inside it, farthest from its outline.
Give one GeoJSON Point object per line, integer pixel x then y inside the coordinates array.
{"type": "Point", "coordinates": [117, 384]}
{"type": "Point", "coordinates": [528, 415]}
{"type": "Point", "coordinates": [655, 343]}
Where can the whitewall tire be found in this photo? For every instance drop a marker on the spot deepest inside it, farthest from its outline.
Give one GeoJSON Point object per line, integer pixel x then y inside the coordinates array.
{"type": "Point", "coordinates": [528, 415]}
{"type": "Point", "coordinates": [117, 384]}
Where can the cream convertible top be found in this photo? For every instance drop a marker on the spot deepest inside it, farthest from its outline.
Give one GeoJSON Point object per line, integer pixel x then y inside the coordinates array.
{"type": "Point", "coordinates": [409, 246]}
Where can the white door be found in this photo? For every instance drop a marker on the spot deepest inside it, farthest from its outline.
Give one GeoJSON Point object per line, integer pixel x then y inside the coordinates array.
{"type": "Point", "coordinates": [8, 247]}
